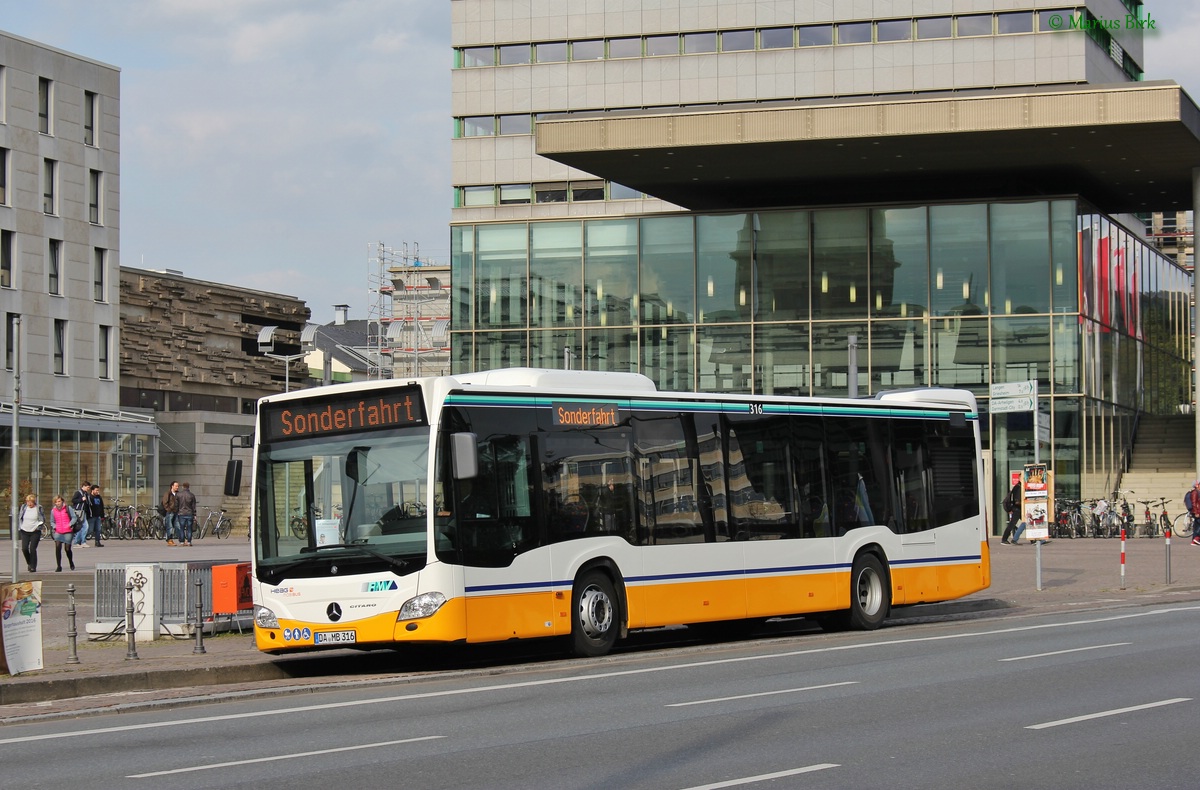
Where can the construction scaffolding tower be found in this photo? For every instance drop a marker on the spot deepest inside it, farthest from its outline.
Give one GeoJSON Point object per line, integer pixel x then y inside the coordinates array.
{"type": "Point", "coordinates": [408, 316]}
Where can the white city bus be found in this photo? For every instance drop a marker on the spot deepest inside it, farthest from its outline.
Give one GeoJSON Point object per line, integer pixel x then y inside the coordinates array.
{"type": "Point", "coordinates": [525, 503]}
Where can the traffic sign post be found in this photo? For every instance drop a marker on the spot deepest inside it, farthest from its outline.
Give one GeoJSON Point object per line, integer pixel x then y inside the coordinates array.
{"type": "Point", "coordinates": [1014, 396]}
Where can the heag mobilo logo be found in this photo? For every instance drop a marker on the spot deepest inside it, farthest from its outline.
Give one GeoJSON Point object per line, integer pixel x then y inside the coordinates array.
{"type": "Point", "coordinates": [381, 586]}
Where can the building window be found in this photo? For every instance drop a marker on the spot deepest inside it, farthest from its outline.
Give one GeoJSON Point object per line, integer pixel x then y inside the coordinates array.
{"type": "Point", "coordinates": [60, 346]}
{"type": "Point", "coordinates": [621, 192]}
{"type": "Point", "coordinates": [894, 30]}
{"type": "Point", "coordinates": [516, 124]}
{"type": "Point", "coordinates": [48, 174]}
{"type": "Point", "coordinates": [54, 266]}
{"type": "Point", "coordinates": [3, 176]}
{"type": "Point", "coordinates": [854, 33]}
{"type": "Point", "coordinates": [94, 189]}
{"type": "Point", "coordinates": [515, 193]}
{"type": "Point", "coordinates": [1065, 15]}
{"type": "Point", "coordinates": [935, 27]}
{"type": "Point", "coordinates": [478, 56]}
{"type": "Point", "coordinates": [90, 108]}
{"type": "Point", "coordinates": [697, 43]}
{"type": "Point", "coordinates": [6, 258]}
{"type": "Point", "coordinates": [737, 40]}
{"type": "Point", "coordinates": [551, 52]}
{"type": "Point", "coordinates": [551, 193]}
{"type": "Point", "coordinates": [662, 45]}
{"type": "Point", "coordinates": [479, 196]}
{"type": "Point", "coordinates": [777, 37]}
{"type": "Point", "coordinates": [816, 35]}
{"type": "Point", "coordinates": [44, 104]}
{"type": "Point", "coordinates": [625, 48]}
{"type": "Point", "coordinates": [99, 280]}
{"type": "Point", "coordinates": [587, 190]}
{"type": "Point", "coordinates": [588, 50]}
{"type": "Point", "coordinates": [479, 126]}
{"type": "Point", "coordinates": [10, 340]}
{"type": "Point", "coordinates": [975, 25]}
{"type": "Point", "coordinates": [104, 352]}
{"type": "Point", "coordinates": [515, 54]}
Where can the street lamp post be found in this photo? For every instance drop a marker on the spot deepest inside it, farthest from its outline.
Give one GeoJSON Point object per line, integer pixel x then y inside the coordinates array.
{"type": "Point", "coordinates": [266, 347]}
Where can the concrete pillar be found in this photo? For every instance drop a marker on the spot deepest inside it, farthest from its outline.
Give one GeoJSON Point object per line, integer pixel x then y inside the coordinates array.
{"type": "Point", "coordinates": [1195, 303]}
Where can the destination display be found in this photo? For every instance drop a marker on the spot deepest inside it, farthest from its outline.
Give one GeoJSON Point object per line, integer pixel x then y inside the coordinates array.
{"type": "Point", "coordinates": [398, 408]}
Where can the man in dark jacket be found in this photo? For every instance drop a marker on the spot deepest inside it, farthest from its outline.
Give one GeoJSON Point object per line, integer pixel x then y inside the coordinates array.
{"type": "Point", "coordinates": [170, 506]}
{"type": "Point", "coordinates": [1012, 506]}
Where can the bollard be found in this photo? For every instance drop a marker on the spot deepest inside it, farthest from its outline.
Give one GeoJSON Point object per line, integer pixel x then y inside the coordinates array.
{"type": "Point", "coordinates": [199, 648]}
{"type": "Point", "coordinates": [72, 655]}
{"type": "Point", "coordinates": [1122, 559]}
{"type": "Point", "coordinates": [130, 628]}
{"type": "Point", "coordinates": [1168, 533]}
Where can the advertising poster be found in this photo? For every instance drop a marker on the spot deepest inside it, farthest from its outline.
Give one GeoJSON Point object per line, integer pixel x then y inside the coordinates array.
{"type": "Point", "coordinates": [1036, 509]}
{"type": "Point", "coordinates": [21, 627]}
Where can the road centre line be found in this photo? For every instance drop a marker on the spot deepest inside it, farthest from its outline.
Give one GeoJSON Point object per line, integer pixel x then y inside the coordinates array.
{"type": "Point", "coordinates": [1103, 713]}
{"type": "Point", "coordinates": [283, 757]}
{"type": "Point", "coordinates": [759, 694]}
{"type": "Point", "coordinates": [764, 777]}
{"type": "Point", "coordinates": [1062, 652]}
{"type": "Point", "coordinates": [583, 678]}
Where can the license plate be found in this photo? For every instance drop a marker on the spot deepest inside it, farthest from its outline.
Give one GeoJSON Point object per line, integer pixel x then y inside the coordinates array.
{"type": "Point", "coordinates": [333, 638]}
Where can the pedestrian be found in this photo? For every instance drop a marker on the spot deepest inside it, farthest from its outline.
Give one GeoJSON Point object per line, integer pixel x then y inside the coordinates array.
{"type": "Point", "coordinates": [31, 519]}
{"type": "Point", "coordinates": [95, 514]}
{"type": "Point", "coordinates": [170, 506]}
{"type": "Point", "coordinates": [79, 501]}
{"type": "Point", "coordinates": [64, 520]}
{"type": "Point", "coordinates": [185, 517]}
{"type": "Point", "coordinates": [1191, 501]}
{"type": "Point", "coordinates": [1012, 506]}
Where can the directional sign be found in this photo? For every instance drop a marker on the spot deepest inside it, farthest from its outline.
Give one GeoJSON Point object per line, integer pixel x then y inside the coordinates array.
{"type": "Point", "coordinates": [1014, 389]}
{"type": "Point", "coordinates": [1001, 405]}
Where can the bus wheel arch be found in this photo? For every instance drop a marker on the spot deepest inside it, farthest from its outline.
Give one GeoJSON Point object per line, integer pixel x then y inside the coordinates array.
{"type": "Point", "coordinates": [597, 610]}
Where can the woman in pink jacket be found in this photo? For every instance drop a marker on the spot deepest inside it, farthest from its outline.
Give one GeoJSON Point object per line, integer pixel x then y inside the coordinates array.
{"type": "Point", "coordinates": [62, 520]}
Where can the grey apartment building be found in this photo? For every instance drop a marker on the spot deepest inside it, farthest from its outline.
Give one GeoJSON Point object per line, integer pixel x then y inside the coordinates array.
{"type": "Point", "coordinates": [719, 194]}
{"type": "Point", "coordinates": [59, 273]}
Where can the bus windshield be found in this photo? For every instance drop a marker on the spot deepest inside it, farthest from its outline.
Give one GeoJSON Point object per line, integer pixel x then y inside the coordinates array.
{"type": "Point", "coordinates": [356, 497]}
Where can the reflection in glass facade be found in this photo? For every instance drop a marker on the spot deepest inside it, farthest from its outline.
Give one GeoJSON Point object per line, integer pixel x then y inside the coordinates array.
{"type": "Point", "coordinates": [958, 295]}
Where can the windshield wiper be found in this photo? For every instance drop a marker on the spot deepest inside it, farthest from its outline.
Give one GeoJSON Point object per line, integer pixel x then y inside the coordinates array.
{"type": "Point", "coordinates": [395, 562]}
{"type": "Point", "coordinates": [278, 570]}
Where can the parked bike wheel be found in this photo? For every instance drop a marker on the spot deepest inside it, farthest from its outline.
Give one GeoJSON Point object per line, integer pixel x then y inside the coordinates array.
{"type": "Point", "coordinates": [224, 528]}
{"type": "Point", "coordinates": [1182, 527]}
{"type": "Point", "coordinates": [299, 528]}
{"type": "Point", "coordinates": [126, 530]}
{"type": "Point", "coordinates": [155, 528]}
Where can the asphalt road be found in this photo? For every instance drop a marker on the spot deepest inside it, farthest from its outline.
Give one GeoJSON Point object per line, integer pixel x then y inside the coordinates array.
{"type": "Point", "coordinates": [1097, 699]}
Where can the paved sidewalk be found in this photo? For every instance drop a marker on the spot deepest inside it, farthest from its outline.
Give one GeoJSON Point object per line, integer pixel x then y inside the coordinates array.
{"type": "Point", "coordinates": [1080, 574]}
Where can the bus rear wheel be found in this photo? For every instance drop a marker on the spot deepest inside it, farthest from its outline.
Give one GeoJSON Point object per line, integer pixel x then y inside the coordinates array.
{"type": "Point", "coordinates": [595, 622]}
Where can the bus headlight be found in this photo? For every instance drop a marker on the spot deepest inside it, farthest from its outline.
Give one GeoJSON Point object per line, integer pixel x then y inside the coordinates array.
{"type": "Point", "coordinates": [265, 618]}
{"type": "Point", "coordinates": [424, 605]}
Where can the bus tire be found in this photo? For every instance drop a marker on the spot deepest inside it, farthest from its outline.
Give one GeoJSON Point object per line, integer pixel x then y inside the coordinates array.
{"type": "Point", "coordinates": [869, 599]}
{"type": "Point", "coordinates": [595, 620]}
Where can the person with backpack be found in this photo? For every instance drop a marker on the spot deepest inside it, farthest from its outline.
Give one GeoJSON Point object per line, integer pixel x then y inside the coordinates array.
{"type": "Point", "coordinates": [30, 520]}
{"type": "Point", "coordinates": [1012, 506]}
{"type": "Point", "coordinates": [1191, 501]}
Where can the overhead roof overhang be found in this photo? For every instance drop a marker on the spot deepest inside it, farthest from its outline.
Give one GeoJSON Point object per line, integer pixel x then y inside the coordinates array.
{"type": "Point", "coordinates": [1126, 147]}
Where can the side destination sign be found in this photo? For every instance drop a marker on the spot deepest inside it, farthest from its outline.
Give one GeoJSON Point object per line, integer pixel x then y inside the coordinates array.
{"type": "Point", "coordinates": [585, 415]}
{"type": "Point", "coordinates": [299, 419]}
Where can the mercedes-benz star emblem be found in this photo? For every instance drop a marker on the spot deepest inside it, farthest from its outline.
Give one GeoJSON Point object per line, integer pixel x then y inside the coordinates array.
{"type": "Point", "coordinates": [334, 612]}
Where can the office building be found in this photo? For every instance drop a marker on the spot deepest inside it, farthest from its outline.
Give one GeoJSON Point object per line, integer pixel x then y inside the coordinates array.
{"type": "Point", "coordinates": [720, 195]}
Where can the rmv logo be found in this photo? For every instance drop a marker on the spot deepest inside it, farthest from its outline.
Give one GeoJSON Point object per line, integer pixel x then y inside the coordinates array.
{"type": "Point", "coordinates": [380, 586]}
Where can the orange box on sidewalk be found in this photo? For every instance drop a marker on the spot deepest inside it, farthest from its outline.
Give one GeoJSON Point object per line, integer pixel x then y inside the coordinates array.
{"type": "Point", "coordinates": [231, 588]}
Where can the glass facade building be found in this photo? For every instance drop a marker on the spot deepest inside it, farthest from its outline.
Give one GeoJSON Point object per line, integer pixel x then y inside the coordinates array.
{"type": "Point", "coordinates": [937, 294]}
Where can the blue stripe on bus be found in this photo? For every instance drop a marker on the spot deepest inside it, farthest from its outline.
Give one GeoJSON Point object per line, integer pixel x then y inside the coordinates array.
{"type": "Point", "coordinates": [515, 586]}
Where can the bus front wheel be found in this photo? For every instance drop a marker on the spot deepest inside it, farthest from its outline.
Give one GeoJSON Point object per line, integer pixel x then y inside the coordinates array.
{"type": "Point", "coordinates": [868, 593]}
{"type": "Point", "coordinates": [596, 622]}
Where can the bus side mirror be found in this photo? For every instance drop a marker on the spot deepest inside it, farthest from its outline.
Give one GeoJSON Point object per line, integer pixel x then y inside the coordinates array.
{"type": "Point", "coordinates": [464, 455]}
{"type": "Point", "coordinates": [233, 477]}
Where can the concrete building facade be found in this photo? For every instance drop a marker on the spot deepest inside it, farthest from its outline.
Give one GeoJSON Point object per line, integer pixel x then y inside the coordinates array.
{"type": "Point", "coordinates": [720, 195]}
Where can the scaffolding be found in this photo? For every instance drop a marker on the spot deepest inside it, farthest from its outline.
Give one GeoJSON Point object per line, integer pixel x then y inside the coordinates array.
{"type": "Point", "coordinates": [408, 313]}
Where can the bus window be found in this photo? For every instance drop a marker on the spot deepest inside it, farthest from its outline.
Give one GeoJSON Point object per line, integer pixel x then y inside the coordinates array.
{"type": "Point", "coordinates": [587, 483]}
{"type": "Point", "coordinates": [812, 480]}
{"type": "Point", "coordinates": [911, 470]}
{"type": "Point", "coordinates": [857, 465]}
{"type": "Point", "coordinates": [668, 479]}
{"type": "Point", "coordinates": [759, 463]}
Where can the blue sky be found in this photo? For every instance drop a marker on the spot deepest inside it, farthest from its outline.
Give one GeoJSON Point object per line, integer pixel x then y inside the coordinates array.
{"type": "Point", "coordinates": [268, 143]}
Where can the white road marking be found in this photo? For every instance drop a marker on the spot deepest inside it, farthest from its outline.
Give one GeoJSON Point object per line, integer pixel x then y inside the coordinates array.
{"type": "Point", "coordinates": [759, 694]}
{"type": "Point", "coordinates": [765, 777]}
{"type": "Point", "coordinates": [1062, 652]}
{"type": "Point", "coordinates": [60, 733]}
{"type": "Point", "coordinates": [1103, 713]}
{"type": "Point", "coordinates": [282, 757]}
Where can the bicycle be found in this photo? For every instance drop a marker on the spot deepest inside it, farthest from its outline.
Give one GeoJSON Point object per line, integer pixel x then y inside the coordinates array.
{"type": "Point", "coordinates": [221, 525]}
{"type": "Point", "coordinates": [1182, 526]}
